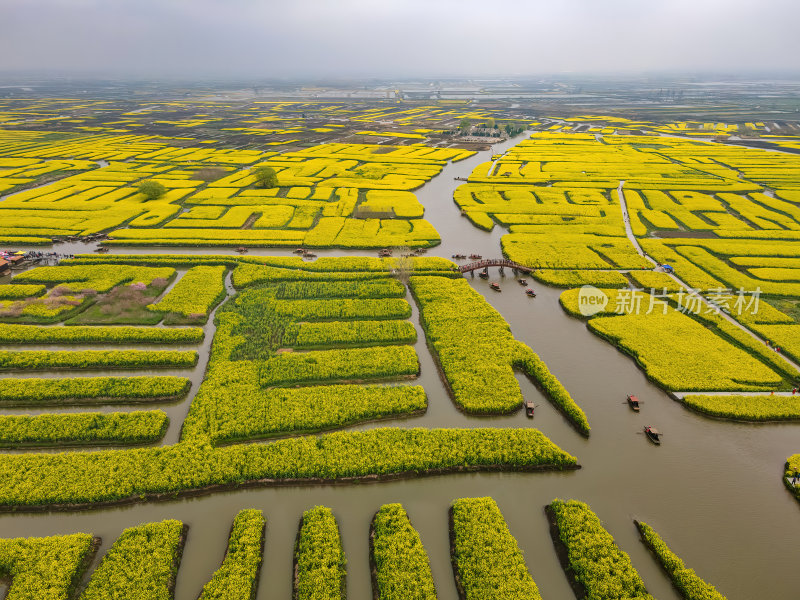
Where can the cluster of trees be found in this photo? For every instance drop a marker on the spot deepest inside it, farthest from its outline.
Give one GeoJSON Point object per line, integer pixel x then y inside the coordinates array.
{"type": "Point", "coordinates": [266, 177]}
{"type": "Point", "coordinates": [513, 129]}
{"type": "Point", "coordinates": [465, 127]}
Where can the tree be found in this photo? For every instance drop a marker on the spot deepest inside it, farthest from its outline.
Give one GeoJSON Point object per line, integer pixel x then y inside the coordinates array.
{"type": "Point", "coordinates": [266, 177]}
{"type": "Point", "coordinates": [403, 264]}
{"type": "Point", "coordinates": [514, 128]}
{"type": "Point", "coordinates": [152, 190]}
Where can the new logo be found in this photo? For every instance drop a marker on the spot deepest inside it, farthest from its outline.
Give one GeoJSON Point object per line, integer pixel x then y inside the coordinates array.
{"type": "Point", "coordinates": [591, 300]}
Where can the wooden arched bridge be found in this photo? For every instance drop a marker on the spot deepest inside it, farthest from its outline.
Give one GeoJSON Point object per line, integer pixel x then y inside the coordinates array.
{"type": "Point", "coordinates": [494, 262]}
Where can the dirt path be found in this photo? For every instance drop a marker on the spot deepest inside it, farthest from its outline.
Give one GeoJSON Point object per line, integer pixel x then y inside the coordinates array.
{"type": "Point", "coordinates": [626, 218]}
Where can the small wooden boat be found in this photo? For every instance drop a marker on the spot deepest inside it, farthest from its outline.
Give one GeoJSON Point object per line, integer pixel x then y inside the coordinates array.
{"type": "Point", "coordinates": [299, 251]}
{"type": "Point", "coordinates": [475, 256]}
{"type": "Point", "coordinates": [102, 249]}
{"type": "Point", "coordinates": [653, 435]}
{"type": "Point", "coordinates": [529, 406]}
{"type": "Point", "coordinates": [522, 281]}
{"type": "Point", "coordinates": [459, 256]}
{"type": "Point", "coordinates": [633, 401]}
{"type": "Point", "coordinates": [495, 287]}
{"type": "Point", "coordinates": [483, 275]}
{"type": "Point", "coordinates": [530, 293]}
{"type": "Point", "coordinates": [241, 249]}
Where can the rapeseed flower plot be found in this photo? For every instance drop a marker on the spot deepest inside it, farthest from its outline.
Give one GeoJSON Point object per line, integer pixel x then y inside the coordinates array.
{"type": "Point", "coordinates": [595, 560]}
{"type": "Point", "coordinates": [403, 571]}
{"type": "Point", "coordinates": [140, 563]}
{"type": "Point", "coordinates": [320, 560]}
{"type": "Point", "coordinates": [45, 567]}
{"type": "Point", "coordinates": [486, 557]}
{"type": "Point", "coordinates": [680, 354]}
{"type": "Point", "coordinates": [238, 576]}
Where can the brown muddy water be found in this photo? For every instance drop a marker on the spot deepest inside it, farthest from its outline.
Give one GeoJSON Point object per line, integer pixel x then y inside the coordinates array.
{"type": "Point", "coordinates": [713, 489]}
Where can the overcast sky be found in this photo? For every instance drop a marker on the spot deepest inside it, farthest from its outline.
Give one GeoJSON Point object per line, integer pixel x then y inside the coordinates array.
{"type": "Point", "coordinates": [396, 38]}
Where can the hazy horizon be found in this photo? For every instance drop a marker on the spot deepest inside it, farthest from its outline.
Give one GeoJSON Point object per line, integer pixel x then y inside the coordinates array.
{"type": "Point", "coordinates": [357, 39]}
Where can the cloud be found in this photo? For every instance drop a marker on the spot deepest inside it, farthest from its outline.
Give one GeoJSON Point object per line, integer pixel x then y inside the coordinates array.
{"type": "Point", "coordinates": [388, 38]}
